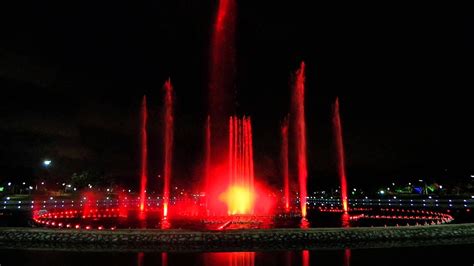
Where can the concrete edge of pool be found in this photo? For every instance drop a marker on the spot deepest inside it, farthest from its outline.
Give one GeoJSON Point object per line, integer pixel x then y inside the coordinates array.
{"type": "Point", "coordinates": [234, 240]}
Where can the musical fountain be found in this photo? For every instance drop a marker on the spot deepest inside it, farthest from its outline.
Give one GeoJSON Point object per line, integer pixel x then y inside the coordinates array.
{"type": "Point", "coordinates": [232, 195]}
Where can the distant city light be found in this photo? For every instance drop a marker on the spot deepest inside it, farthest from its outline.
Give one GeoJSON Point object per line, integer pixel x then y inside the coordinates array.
{"type": "Point", "coordinates": [46, 162]}
{"type": "Point", "coordinates": [9, 183]}
{"type": "Point", "coordinates": [382, 192]}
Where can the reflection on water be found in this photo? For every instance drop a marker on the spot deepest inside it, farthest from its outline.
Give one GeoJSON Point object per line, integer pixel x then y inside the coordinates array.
{"type": "Point", "coordinates": [230, 259]}
{"type": "Point", "coordinates": [347, 257]}
{"type": "Point", "coordinates": [288, 258]}
{"type": "Point", "coordinates": [164, 259]}
{"type": "Point", "coordinates": [341, 257]}
{"type": "Point", "coordinates": [242, 259]}
{"type": "Point", "coordinates": [305, 257]}
{"type": "Point", "coordinates": [140, 258]}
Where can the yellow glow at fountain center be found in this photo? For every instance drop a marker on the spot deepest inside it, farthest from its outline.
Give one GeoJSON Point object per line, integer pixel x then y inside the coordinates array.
{"type": "Point", "coordinates": [239, 200]}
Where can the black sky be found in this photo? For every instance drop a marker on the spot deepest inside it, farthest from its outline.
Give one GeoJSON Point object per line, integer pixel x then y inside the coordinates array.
{"type": "Point", "coordinates": [72, 76]}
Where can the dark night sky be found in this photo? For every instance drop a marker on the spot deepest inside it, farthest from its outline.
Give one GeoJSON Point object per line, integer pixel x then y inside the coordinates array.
{"type": "Point", "coordinates": [72, 77]}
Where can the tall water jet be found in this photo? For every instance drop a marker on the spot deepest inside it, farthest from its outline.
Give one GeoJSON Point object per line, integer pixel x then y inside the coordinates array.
{"type": "Point", "coordinates": [222, 76]}
{"type": "Point", "coordinates": [341, 168]}
{"type": "Point", "coordinates": [143, 154]}
{"type": "Point", "coordinates": [207, 166]}
{"type": "Point", "coordinates": [240, 194]}
{"type": "Point", "coordinates": [300, 134]}
{"type": "Point", "coordinates": [284, 162]}
{"type": "Point", "coordinates": [168, 144]}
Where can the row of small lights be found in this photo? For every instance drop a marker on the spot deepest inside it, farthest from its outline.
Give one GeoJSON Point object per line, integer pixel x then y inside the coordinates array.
{"type": "Point", "coordinates": [439, 217]}
{"type": "Point", "coordinates": [63, 203]}
{"type": "Point", "coordinates": [380, 201]}
{"type": "Point", "coordinates": [394, 197]}
{"type": "Point", "coordinates": [309, 205]}
{"type": "Point", "coordinates": [355, 217]}
{"type": "Point", "coordinates": [68, 225]}
{"type": "Point", "coordinates": [332, 209]}
{"type": "Point", "coordinates": [438, 221]}
{"type": "Point", "coordinates": [46, 219]}
{"type": "Point", "coordinates": [378, 204]}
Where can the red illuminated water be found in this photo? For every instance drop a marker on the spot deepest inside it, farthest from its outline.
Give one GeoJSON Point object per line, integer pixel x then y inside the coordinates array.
{"type": "Point", "coordinates": [222, 66]}
{"type": "Point", "coordinates": [300, 134]}
{"type": "Point", "coordinates": [284, 162]}
{"type": "Point", "coordinates": [435, 255]}
{"type": "Point", "coordinates": [207, 154]}
{"type": "Point", "coordinates": [168, 144]}
{"type": "Point", "coordinates": [336, 120]}
{"type": "Point", "coordinates": [89, 199]}
{"type": "Point", "coordinates": [222, 76]}
{"type": "Point", "coordinates": [228, 163]}
{"type": "Point", "coordinates": [143, 144]}
{"type": "Point", "coordinates": [347, 257]}
{"type": "Point", "coordinates": [182, 217]}
{"type": "Point", "coordinates": [164, 259]}
{"type": "Point", "coordinates": [305, 258]}
{"type": "Point", "coordinates": [230, 259]}
{"type": "Point", "coordinates": [240, 193]}
{"type": "Point", "coordinates": [140, 258]}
